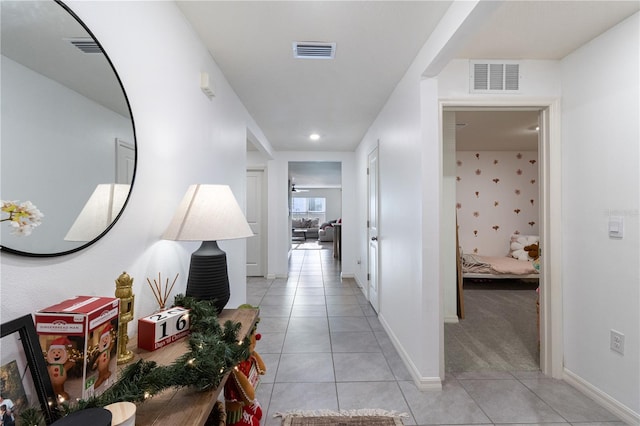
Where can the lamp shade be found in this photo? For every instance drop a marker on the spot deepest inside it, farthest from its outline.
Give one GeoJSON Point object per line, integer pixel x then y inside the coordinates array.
{"type": "Point", "coordinates": [100, 210]}
{"type": "Point", "coordinates": [208, 213]}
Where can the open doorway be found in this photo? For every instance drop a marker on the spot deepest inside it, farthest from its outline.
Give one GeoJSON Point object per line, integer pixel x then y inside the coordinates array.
{"type": "Point", "coordinates": [315, 204]}
{"type": "Point", "coordinates": [491, 168]}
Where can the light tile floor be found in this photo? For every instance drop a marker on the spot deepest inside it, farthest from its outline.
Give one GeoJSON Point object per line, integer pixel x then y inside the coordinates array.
{"type": "Point", "coordinates": [325, 349]}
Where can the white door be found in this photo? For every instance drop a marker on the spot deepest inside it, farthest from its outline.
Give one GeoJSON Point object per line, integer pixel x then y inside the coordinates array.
{"type": "Point", "coordinates": [125, 161]}
{"type": "Point", "coordinates": [373, 227]}
{"type": "Point", "coordinates": [256, 253]}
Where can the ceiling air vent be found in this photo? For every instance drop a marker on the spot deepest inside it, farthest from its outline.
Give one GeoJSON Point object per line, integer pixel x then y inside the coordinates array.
{"type": "Point", "coordinates": [85, 44]}
{"type": "Point", "coordinates": [494, 77]}
{"type": "Point", "coordinates": [313, 50]}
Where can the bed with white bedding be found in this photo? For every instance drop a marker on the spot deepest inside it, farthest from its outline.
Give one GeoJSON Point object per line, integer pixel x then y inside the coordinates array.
{"type": "Point", "coordinates": [517, 264]}
{"type": "Point", "coordinates": [497, 267]}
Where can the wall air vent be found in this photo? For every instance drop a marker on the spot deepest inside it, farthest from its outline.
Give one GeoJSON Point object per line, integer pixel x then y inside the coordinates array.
{"type": "Point", "coordinates": [313, 50]}
{"type": "Point", "coordinates": [494, 77]}
{"type": "Point", "coordinates": [85, 44]}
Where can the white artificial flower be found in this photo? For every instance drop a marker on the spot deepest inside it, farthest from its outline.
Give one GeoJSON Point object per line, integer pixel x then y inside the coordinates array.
{"type": "Point", "coordinates": [22, 217]}
{"type": "Point", "coordinates": [23, 230]}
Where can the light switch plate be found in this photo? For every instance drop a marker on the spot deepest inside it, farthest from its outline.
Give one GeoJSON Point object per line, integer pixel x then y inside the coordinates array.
{"type": "Point", "coordinates": [616, 226]}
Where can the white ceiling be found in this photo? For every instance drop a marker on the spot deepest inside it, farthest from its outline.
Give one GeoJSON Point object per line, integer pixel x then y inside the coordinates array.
{"type": "Point", "coordinates": [544, 29]}
{"type": "Point", "coordinates": [289, 98]}
{"type": "Point", "coordinates": [376, 41]}
{"type": "Point", "coordinates": [494, 130]}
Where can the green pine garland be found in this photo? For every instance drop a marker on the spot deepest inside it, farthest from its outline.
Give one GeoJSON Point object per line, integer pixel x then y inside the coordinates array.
{"type": "Point", "coordinates": [213, 352]}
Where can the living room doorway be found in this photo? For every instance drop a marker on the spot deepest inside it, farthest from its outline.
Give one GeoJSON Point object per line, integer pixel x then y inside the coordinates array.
{"type": "Point", "coordinates": [315, 203]}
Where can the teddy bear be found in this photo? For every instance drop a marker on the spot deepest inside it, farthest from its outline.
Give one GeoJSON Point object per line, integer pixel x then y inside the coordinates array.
{"type": "Point", "coordinates": [518, 244]}
{"type": "Point", "coordinates": [241, 405]}
{"type": "Point", "coordinates": [533, 250]}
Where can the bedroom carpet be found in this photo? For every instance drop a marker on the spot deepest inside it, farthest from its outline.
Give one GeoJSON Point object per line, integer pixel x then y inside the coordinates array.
{"type": "Point", "coordinates": [499, 332]}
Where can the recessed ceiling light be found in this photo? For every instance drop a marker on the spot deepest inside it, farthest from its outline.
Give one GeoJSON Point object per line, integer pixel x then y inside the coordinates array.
{"type": "Point", "coordinates": [314, 136]}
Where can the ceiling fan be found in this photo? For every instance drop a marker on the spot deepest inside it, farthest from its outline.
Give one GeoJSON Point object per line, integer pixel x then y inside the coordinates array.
{"type": "Point", "coordinates": [293, 189]}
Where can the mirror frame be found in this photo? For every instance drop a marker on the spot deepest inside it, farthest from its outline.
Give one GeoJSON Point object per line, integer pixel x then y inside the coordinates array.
{"type": "Point", "coordinates": [135, 144]}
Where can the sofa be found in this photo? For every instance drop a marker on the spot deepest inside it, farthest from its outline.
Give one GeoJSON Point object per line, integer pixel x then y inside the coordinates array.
{"type": "Point", "coordinates": [307, 228]}
{"type": "Point", "coordinates": [326, 234]}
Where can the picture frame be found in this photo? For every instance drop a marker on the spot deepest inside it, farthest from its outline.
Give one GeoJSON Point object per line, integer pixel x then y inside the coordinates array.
{"type": "Point", "coordinates": [23, 370]}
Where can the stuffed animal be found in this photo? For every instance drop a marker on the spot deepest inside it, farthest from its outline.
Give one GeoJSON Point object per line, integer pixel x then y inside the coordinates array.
{"type": "Point", "coordinates": [240, 398]}
{"type": "Point", "coordinates": [533, 250]}
{"type": "Point", "coordinates": [104, 358]}
{"type": "Point", "coordinates": [518, 243]}
{"type": "Point", "coordinates": [58, 364]}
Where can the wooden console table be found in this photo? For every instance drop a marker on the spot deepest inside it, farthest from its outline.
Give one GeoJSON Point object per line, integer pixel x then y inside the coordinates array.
{"type": "Point", "coordinates": [185, 406]}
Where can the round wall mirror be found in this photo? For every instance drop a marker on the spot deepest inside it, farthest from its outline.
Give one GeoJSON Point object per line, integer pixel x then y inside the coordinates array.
{"type": "Point", "coordinates": [68, 138]}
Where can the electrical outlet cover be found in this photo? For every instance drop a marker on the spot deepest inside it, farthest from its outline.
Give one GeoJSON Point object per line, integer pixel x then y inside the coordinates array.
{"type": "Point", "coordinates": [617, 342]}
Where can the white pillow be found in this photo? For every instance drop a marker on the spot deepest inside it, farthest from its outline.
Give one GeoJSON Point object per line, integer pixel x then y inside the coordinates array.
{"type": "Point", "coordinates": [519, 242]}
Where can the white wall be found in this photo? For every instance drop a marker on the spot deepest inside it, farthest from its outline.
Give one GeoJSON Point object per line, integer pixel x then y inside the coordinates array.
{"type": "Point", "coordinates": [538, 79]}
{"type": "Point", "coordinates": [183, 138]}
{"type": "Point", "coordinates": [600, 158]}
{"type": "Point", "coordinates": [397, 133]}
{"type": "Point", "coordinates": [489, 212]}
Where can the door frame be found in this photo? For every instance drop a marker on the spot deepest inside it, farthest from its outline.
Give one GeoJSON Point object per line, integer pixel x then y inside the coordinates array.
{"type": "Point", "coordinates": [549, 152]}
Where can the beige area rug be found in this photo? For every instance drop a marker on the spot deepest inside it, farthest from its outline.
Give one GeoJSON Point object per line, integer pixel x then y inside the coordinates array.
{"type": "Point", "coordinates": [364, 417]}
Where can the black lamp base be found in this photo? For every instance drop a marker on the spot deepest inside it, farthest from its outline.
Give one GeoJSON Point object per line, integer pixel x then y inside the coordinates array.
{"type": "Point", "coordinates": [208, 277]}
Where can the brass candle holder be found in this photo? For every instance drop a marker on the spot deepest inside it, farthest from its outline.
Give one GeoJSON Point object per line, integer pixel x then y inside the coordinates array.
{"type": "Point", "coordinates": [124, 292]}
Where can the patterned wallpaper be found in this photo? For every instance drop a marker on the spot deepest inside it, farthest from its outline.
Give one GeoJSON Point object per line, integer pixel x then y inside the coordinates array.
{"type": "Point", "coordinates": [496, 196]}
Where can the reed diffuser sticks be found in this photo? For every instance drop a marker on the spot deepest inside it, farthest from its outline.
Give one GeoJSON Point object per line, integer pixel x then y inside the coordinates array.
{"type": "Point", "coordinates": [161, 292]}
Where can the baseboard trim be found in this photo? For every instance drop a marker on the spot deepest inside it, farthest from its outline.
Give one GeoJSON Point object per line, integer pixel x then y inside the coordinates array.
{"type": "Point", "coordinates": [422, 383]}
{"type": "Point", "coordinates": [343, 275]}
{"type": "Point", "coordinates": [625, 413]}
{"type": "Point", "coordinates": [451, 320]}
{"type": "Point", "coordinates": [358, 282]}
{"type": "Point", "coordinates": [271, 276]}
{"type": "Point", "coordinates": [429, 384]}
